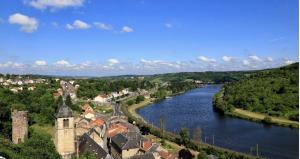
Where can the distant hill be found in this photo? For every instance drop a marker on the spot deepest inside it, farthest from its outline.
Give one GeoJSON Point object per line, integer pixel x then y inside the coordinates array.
{"type": "Point", "coordinates": [273, 92]}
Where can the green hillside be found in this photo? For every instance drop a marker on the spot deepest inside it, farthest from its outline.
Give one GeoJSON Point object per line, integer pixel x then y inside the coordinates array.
{"type": "Point", "coordinates": [272, 92]}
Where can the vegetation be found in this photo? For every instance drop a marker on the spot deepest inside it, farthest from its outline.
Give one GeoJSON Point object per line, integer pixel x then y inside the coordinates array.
{"type": "Point", "coordinates": [90, 88]}
{"type": "Point", "coordinates": [185, 137]}
{"type": "Point", "coordinates": [38, 145]}
{"type": "Point", "coordinates": [139, 99]}
{"type": "Point", "coordinates": [271, 92]}
{"type": "Point", "coordinates": [41, 107]}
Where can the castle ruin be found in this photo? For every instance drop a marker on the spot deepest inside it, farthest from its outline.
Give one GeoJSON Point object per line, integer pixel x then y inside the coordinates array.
{"type": "Point", "coordinates": [19, 126]}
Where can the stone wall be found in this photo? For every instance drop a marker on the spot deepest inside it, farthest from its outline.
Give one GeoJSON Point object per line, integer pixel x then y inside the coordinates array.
{"type": "Point", "coordinates": [19, 126]}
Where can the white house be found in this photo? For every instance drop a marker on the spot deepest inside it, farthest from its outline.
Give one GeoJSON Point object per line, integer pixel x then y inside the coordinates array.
{"type": "Point", "coordinates": [101, 98]}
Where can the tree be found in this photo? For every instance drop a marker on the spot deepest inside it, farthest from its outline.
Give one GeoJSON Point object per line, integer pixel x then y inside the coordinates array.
{"type": "Point", "coordinates": [162, 129]}
{"type": "Point", "coordinates": [184, 137]}
{"type": "Point", "coordinates": [139, 99]}
{"type": "Point", "coordinates": [130, 102]}
{"type": "Point", "coordinates": [202, 155]}
{"type": "Point", "coordinates": [185, 154]}
{"type": "Point", "coordinates": [267, 120]}
{"type": "Point", "coordinates": [39, 145]}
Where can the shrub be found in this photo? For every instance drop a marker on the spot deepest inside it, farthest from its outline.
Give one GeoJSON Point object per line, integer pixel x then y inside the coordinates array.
{"type": "Point", "coordinates": [267, 120]}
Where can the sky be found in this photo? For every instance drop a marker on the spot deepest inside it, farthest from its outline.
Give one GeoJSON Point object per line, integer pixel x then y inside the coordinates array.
{"type": "Point", "coordinates": [117, 37]}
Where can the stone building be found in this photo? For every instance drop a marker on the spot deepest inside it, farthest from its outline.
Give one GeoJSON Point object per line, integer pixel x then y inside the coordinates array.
{"type": "Point", "coordinates": [65, 132]}
{"type": "Point", "coordinates": [19, 126]}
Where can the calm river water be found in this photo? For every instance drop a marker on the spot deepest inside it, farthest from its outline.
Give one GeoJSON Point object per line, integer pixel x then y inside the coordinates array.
{"type": "Point", "coordinates": [194, 109]}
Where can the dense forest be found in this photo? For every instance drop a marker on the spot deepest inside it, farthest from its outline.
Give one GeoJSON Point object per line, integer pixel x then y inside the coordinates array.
{"type": "Point", "coordinates": [272, 92]}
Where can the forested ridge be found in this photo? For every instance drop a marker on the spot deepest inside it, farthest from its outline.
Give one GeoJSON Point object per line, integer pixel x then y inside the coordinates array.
{"type": "Point", "coordinates": [273, 92]}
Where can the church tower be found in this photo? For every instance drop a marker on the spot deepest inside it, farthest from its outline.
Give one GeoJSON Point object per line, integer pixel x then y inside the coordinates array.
{"type": "Point", "coordinates": [64, 132]}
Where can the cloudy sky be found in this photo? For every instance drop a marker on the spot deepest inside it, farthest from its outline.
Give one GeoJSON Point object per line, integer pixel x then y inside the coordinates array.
{"type": "Point", "coordinates": [113, 37]}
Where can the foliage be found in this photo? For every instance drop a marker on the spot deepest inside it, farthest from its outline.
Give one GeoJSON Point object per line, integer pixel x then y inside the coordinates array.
{"type": "Point", "coordinates": [267, 120]}
{"type": "Point", "coordinates": [38, 145]}
{"type": "Point", "coordinates": [272, 92]}
{"type": "Point", "coordinates": [139, 99]}
{"type": "Point", "coordinates": [185, 154]}
{"type": "Point", "coordinates": [202, 155]}
{"type": "Point", "coordinates": [39, 102]}
{"type": "Point", "coordinates": [90, 88]}
{"type": "Point", "coordinates": [184, 137]}
{"type": "Point", "coordinates": [130, 102]}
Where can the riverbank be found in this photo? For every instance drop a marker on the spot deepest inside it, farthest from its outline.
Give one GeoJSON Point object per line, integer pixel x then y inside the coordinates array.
{"type": "Point", "coordinates": [260, 117]}
{"type": "Point", "coordinates": [132, 109]}
{"type": "Point", "coordinates": [130, 112]}
{"type": "Point", "coordinates": [219, 104]}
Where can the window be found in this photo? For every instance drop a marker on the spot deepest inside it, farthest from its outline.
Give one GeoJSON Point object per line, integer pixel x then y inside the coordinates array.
{"type": "Point", "coordinates": [19, 140]}
{"type": "Point", "coordinates": [66, 123]}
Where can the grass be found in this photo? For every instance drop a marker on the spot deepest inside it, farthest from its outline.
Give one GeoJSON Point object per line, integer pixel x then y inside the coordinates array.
{"type": "Point", "coordinates": [260, 117]}
{"type": "Point", "coordinates": [49, 129]}
{"type": "Point", "coordinates": [132, 109]}
{"type": "Point", "coordinates": [104, 109]}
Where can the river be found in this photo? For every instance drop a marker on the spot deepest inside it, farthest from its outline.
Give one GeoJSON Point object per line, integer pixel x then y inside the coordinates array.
{"type": "Point", "coordinates": [194, 109]}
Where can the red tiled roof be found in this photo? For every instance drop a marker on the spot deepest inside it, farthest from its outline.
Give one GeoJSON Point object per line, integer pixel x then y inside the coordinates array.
{"type": "Point", "coordinates": [116, 129]}
{"type": "Point", "coordinates": [147, 144]}
{"type": "Point", "coordinates": [97, 122]}
{"type": "Point", "coordinates": [166, 155]}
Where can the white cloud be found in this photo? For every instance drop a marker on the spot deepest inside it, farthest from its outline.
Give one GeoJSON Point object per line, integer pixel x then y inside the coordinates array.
{"type": "Point", "coordinates": [115, 67]}
{"type": "Point", "coordinates": [40, 63]}
{"type": "Point", "coordinates": [287, 62]}
{"type": "Point", "coordinates": [69, 26]}
{"type": "Point", "coordinates": [206, 59]}
{"type": "Point", "coordinates": [255, 58]}
{"type": "Point", "coordinates": [103, 26]}
{"type": "Point", "coordinates": [246, 62]}
{"type": "Point", "coordinates": [10, 64]}
{"type": "Point", "coordinates": [78, 24]}
{"type": "Point", "coordinates": [55, 4]}
{"type": "Point", "coordinates": [168, 25]}
{"type": "Point", "coordinates": [28, 24]}
{"type": "Point", "coordinates": [112, 62]}
{"type": "Point", "coordinates": [62, 63]}
{"type": "Point", "coordinates": [269, 59]}
{"type": "Point", "coordinates": [127, 29]}
{"type": "Point", "coordinates": [227, 58]}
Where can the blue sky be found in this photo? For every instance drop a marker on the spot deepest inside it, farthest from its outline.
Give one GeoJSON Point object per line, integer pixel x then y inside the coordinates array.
{"type": "Point", "coordinates": [111, 37]}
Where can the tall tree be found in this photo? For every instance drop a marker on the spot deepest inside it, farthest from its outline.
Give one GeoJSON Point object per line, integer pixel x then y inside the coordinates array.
{"type": "Point", "coordinates": [162, 129]}
{"type": "Point", "coordinates": [184, 137]}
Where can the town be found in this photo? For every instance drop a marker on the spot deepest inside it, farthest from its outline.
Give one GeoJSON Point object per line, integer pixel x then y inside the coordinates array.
{"type": "Point", "coordinates": [103, 133]}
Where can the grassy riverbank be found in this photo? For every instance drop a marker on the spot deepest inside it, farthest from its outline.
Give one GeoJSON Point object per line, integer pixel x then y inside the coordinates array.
{"type": "Point", "coordinates": [173, 139]}
{"type": "Point", "coordinates": [220, 105]}
{"type": "Point", "coordinates": [259, 116]}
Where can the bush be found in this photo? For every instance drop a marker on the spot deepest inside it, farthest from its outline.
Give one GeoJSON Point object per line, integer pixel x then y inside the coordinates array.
{"type": "Point", "coordinates": [267, 120]}
{"type": "Point", "coordinates": [139, 99]}
{"type": "Point", "coordinates": [130, 102]}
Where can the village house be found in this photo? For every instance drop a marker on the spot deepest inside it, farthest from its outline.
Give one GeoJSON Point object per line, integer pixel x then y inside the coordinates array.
{"type": "Point", "coordinates": [125, 145]}
{"type": "Point", "coordinates": [68, 88]}
{"type": "Point", "coordinates": [101, 98]}
{"type": "Point", "coordinates": [86, 107]}
{"type": "Point", "coordinates": [87, 144]}
{"type": "Point", "coordinates": [31, 88]}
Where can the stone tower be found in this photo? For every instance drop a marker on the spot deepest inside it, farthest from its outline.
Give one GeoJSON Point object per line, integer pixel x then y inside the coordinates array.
{"type": "Point", "coordinates": [64, 132]}
{"type": "Point", "coordinates": [19, 126]}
